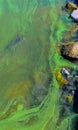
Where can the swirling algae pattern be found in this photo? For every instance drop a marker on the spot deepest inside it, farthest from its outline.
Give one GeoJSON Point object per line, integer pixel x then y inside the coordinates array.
{"type": "Point", "coordinates": [41, 26]}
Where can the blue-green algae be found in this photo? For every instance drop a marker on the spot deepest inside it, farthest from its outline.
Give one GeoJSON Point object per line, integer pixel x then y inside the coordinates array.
{"type": "Point", "coordinates": [41, 24]}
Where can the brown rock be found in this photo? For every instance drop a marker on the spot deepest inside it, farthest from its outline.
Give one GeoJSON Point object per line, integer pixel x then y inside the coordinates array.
{"type": "Point", "coordinates": [70, 50]}
{"type": "Point", "coordinates": [71, 6]}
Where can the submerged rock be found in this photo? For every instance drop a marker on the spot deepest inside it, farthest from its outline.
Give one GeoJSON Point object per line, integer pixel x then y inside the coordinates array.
{"type": "Point", "coordinates": [70, 50]}
{"type": "Point", "coordinates": [74, 15]}
{"type": "Point", "coordinates": [39, 93]}
{"type": "Point", "coordinates": [71, 6]}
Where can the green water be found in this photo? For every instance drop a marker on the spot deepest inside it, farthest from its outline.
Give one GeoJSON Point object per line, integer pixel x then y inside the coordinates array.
{"type": "Point", "coordinates": [41, 25]}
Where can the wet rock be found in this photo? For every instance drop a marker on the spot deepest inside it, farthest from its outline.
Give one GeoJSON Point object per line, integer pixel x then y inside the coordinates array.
{"type": "Point", "coordinates": [74, 28]}
{"type": "Point", "coordinates": [71, 6]}
{"type": "Point", "coordinates": [74, 15]}
{"type": "Point", "coordinates": [69, 92]}
{"type": "Point", "coordinates": [65, 72]}
{"type": "Point", "coordinates": [70, 50]}
{"type": "Point", "coordinates": [69, 98]}
{"type": "Point", "coordinates": [60, 79]}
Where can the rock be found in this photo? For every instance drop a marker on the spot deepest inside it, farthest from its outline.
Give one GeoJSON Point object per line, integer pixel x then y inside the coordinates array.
{"type": "Point", "coordinates": [71, 6]}
{"type": "Point", "coordinates": [60, 79]}
{"type": "Point", "coordinates": [65, 72]}
{"type": "Point", "coordinates": [70, 50]}
{"type": "Point", "coordinates": [74, 15]}
{"type": "Point", "coordinates": [69, 98]}
{"type": "Point", "coordinates": [69, 92]}
{"type": "Point", "coordinates": [74, 28]}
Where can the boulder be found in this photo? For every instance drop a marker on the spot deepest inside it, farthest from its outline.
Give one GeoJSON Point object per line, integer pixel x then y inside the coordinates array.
{"type": "Point", "coordinates": [74, 14]}
{"type": "Point", "coordinates": [71, 6]}
{"type": "Point", "coordinates": [70, 50]}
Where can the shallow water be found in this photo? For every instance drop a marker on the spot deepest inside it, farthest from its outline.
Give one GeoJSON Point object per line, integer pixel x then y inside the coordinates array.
{"type": "Point", "coordinates": [30, 31]}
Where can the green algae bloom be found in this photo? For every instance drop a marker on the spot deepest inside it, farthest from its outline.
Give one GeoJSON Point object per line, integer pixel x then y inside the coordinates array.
{"type": "Point", "coordinates": [27, 62]}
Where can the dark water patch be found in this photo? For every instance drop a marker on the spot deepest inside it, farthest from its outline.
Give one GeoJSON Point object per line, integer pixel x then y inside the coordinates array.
{"type": "Point", "coordinates": [74, 60]}
{"type": "Point", "coordinates": [75, 37]}
{"type": "Point", "coordinates": [73, 1]}
{"type": "Point", "coordinates": [75, 103]}
{"type": "Point", "coordinates": [76, 1]}
{"type": "Point", "coordinates": [74, 123]}
{"type": "Point", "coordinates": [14, 42]}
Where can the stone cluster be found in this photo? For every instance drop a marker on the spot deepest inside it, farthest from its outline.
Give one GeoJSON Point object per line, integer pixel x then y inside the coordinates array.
{"type": "Point", "coordinates": [68, 92]}
{"type": "Point", "coordinates": [73, 9]}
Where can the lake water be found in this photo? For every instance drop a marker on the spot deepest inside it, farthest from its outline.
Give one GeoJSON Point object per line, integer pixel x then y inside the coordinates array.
{"type": "Point", "coordinates": [29, 33]}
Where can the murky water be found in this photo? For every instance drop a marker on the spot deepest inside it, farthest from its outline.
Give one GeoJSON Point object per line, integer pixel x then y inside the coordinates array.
{"type": "Point", "coordinates": [30, 31]}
